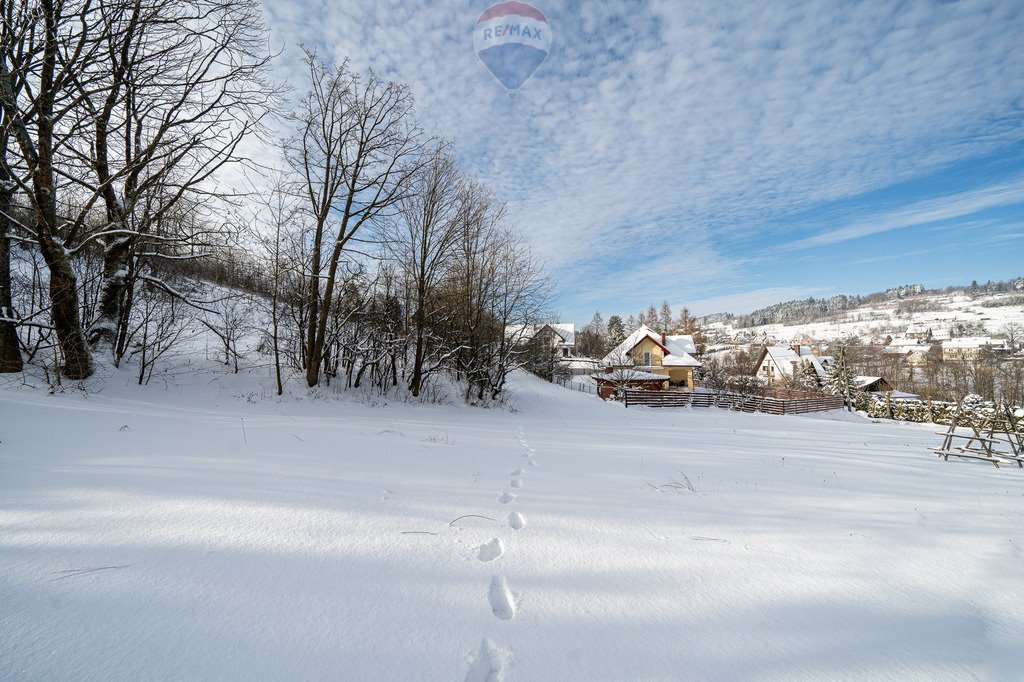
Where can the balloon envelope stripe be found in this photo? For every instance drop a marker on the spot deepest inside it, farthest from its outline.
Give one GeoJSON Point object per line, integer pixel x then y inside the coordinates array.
{"type": "Point", "coordinates": [503, 9]}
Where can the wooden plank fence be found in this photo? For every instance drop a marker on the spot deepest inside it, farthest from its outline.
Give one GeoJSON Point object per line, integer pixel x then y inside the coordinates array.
{"type": "Point", "coordinates": [743, 402]}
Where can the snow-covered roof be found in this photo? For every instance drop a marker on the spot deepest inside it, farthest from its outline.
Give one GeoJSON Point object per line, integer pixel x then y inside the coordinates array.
{"type": "Point", "coordinates": [969, 342]}
{"type": "Point", "coordinates": [683, 360]}
{"type": "Point", "coordinates": [783, 357]}
{"type": "Point", "coordinates": [903, 346]}
{"type": "Point", "coordinates": [680, 344]}
{"type": "Point", "coordinates": [908, 342]}
{"type": "Point", "coordinates": [677, 346]}
{"type": "Point", "coordinates": [615, 355]}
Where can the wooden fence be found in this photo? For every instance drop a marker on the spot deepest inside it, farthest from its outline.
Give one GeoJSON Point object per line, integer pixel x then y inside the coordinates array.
{"type": "Point", "coordinates": [770, 404]}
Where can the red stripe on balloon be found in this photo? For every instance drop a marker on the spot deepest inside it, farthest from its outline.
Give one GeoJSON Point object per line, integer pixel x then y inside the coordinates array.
{"type": "Point", "coordinates": [503, 9]}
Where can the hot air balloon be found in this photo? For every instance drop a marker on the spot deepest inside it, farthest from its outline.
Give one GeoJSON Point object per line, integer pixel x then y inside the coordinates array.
{"type": "Point", "coordinates": [512, 40]}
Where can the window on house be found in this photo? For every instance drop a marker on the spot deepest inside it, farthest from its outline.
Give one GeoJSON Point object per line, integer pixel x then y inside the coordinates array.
{"type": "Point", "coordinates": [565, 352]}
{"type": "Point", "coordinates": [647, 358]}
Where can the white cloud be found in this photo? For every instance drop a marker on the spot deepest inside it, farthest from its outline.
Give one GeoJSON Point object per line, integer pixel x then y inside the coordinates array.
{"type": "Point", "coordinates": [921, 213]}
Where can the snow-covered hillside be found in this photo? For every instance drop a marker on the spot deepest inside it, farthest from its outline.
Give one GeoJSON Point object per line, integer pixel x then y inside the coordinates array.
{"type": "Point", "coordinates": [206, 532]}
{"type": "Point", "coordinates": [935, 311]}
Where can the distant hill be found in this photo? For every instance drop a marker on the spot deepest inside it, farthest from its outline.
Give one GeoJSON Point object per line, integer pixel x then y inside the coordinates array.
{"type": "Point", "coordinates": [915, 298]}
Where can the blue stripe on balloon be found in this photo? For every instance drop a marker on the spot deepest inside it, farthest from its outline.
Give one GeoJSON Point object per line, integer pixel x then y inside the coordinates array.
{"type": "Point", "coordinates": [512, 63]}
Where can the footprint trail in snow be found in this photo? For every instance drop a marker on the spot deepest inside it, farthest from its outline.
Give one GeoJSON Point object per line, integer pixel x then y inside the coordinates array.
{"type": "Point", "coordinates": [490, 665]}
{"type": "Point", "coordinates": [491, 550]}
{"type": "Point", "coordinates": [503, 605]}
{"type": "Point", "coordinates": [516, 521]}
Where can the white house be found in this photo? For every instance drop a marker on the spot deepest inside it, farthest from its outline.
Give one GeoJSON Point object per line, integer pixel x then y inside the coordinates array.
{"type": "Point", "coordinates": [968, 347]}
{"type": "Point", "coordinates": [559, 335]}
{"type": "Point", "coordinates": [779, 362]}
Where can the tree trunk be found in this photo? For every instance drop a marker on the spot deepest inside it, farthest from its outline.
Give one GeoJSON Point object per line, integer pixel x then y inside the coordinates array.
{"type": "Point", "coordinates": [64, 301]}
{"type": "Point", "coordinates": [103, 332]}
{"type": "Point", "coordinates": [38, 155]}
{"type": "Point", "coordinates": [313, 305]}
{"type": "Point", "coordinates": [417, 366]}
{"type": "Point", "coordinates": [10, 352]}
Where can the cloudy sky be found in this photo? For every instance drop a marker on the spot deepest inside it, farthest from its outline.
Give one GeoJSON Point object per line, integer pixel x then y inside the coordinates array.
{"type": "Point", "coordinates": [724, 155]}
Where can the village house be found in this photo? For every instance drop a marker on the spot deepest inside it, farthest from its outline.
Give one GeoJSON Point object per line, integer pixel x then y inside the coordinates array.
{"type": "Point", "coordinates": [912, 352]}
{"type": "Point", "coordinates": [559, 336]}
{"type": "Point", "coordinates": [664, 355]}
{"type": "Point", "coordinates": [918, 332]}
{"type": "Point", "coordinates": [777, 363]}
{"type": "Point", "coordinates": [872, 384]}
{"type": "Point", "coordinates": [970, 347]}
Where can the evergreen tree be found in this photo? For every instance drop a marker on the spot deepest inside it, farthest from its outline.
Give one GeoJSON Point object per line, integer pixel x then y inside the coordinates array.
{"type": "Point", "coordinates": [839, 380]}
{"type": "Point", "coordinates": [631, 324]}
{"type": "Point", "coordinates": [808, 376]}
{"type": "Point", "coordinates": [616, 332]}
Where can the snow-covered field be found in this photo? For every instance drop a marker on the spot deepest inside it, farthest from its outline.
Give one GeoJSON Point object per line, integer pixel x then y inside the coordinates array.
{"type": "Point", "coordinates": [189, 533]}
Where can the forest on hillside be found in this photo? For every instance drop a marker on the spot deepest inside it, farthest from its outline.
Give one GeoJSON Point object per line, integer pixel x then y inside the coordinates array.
{"type": "Point", "coordinates": [812, 310]}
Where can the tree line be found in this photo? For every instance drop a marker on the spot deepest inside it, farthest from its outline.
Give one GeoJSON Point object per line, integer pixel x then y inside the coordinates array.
{"type": "Point", "coordinates": [597, 338]}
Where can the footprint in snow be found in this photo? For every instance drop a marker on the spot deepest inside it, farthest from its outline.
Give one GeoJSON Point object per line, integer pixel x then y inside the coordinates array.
{"type": "Point", "coordinates": [500, 596]}
{"type": "Point", "coordinates": [516, 483]}
{"type": "Point", "coordinates": [490, 665]}
{"type": "Point", "coordinates": [518, 472]}
{"type": "Point", "coordinates": [532, 462]}
{"type": "Point", "coordinates": [491, 550]}
{"type": "Point", "coordinates": [516, 520]}
{"type": "Point", "coordinates": [506, 497]}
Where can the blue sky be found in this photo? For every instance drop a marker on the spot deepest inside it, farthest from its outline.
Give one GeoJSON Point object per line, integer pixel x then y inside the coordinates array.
{"type": "Point", "coordinates": [724, 155]}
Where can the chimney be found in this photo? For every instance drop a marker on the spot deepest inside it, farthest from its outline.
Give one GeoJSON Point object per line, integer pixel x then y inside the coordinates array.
{"type": "Point", "coordinates": [796, 347]}
{"type": "Point", "coordinates": [663, 338]}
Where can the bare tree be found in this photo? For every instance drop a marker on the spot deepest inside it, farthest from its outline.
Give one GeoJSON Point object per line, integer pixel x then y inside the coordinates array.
{"type": "Point", "coordinates": [1013, 332]}
{"type": "Point", "coordinates": [423, 241]}
{"type": "Point", "coordinates": [277, 211]}
{"type": "Point", "coordinates": [47, 46]}
{"type": "Point", "coordinates": [179, 87]}
{"type": "Point", "coordinates": [356, 149]}
{"type": "Point", "coordinates": [122, 111]}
